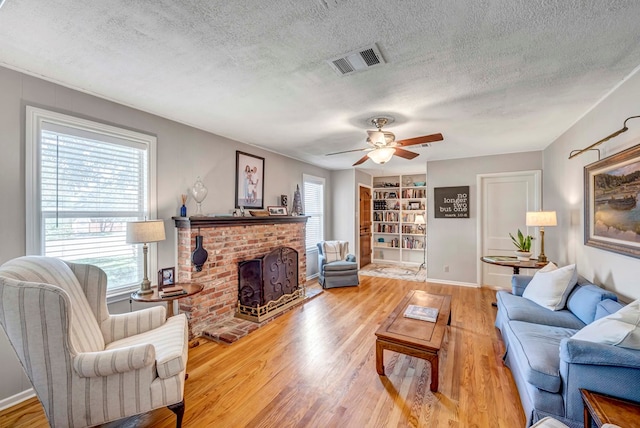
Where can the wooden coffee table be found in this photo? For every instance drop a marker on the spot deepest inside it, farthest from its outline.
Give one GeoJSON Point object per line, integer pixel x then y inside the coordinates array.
{"type": "Point", "coordinates": [413, 337]}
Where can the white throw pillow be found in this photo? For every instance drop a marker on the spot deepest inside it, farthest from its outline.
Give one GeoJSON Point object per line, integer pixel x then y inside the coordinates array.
{"type": "Point", "coordinates": [551, 285]}
{"type": "Point", "coordinates": [619, 329]}
{"type": "Point", "coordinates": [332, 251]}
{"type": "Point", "coordinates": [344, 249]}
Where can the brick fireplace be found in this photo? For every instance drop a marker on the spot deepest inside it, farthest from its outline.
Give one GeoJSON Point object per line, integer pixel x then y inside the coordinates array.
{"type": "Point", "coordinates": [229, 240]}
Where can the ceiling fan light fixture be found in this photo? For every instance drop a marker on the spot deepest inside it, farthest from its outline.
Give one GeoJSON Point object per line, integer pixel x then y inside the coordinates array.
{"type": "Point", "coordinates": [377, 138]}
{"type": "Point", "coordinates": [382, 155]}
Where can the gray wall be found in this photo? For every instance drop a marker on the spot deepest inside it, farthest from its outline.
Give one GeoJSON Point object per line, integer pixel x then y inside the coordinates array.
{"type": "Point", "coordinates": [564, 189]}
{"type": "Point", "coordinates": [183, 154]}
{"type": "Point", "coordinates": [452, 242]}
{"type": "Point", "coordinates": [344, 207]}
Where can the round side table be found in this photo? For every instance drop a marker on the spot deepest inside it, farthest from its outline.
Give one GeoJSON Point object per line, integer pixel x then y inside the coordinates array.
{"type": "Point", "coordinates": [190, 287]}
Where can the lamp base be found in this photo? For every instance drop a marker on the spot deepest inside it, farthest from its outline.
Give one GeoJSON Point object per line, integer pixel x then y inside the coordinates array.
{"type": "Point", "coordinates": [145, 287]}
{"type": "Point", "coordinates": [542, 258]}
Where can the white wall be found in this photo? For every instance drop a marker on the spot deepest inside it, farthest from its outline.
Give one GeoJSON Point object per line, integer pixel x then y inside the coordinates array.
{"type": "Point", "coordinates": [452, 242]}
{"type": "Point", "coordinates": [564, 189]}
{"type": "Point", "coordinates": [183, 154]}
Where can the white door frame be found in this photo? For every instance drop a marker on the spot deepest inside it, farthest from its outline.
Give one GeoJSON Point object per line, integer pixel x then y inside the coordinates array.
{"type": "Point", "coordinates": [537, 174]}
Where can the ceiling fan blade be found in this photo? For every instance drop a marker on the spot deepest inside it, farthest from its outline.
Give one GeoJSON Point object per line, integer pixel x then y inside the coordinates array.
{"type": "Point", "coordinates": [420, 140]}
{"type": "Point", "coordinates": [406, 154]}
{"type": "Point", "coordinates": [363, 159]}
{"type": "Point", "coordinates": [349, 151]}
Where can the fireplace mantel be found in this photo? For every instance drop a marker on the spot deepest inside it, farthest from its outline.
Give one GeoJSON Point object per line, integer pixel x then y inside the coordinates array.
{"type": "Point", "coordinates": [193, 222]}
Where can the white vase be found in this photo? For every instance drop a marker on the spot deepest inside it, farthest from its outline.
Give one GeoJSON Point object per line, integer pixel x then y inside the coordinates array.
{"type": "Point", "coordinates": [523, 256]}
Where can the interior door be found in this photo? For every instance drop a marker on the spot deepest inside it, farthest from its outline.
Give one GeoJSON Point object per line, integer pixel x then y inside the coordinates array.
{"type": "Point", "coordinates": [365, 226]}
{"type": "Point", "coordinates": [505, 198]}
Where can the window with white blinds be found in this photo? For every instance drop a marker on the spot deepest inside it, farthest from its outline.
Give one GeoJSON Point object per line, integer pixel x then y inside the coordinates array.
{"type": "Point", "coordinates": [313, 189]}
{"type": "Point", "coordinates": [85, 181]}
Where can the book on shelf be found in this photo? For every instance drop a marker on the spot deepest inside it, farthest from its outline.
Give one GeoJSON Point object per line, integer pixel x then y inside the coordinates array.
{"type": "Point", "coordinates": [423, 313]}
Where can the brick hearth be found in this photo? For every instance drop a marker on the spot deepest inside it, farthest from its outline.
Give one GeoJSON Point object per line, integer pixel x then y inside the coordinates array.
{"type": "Point", "coordinates": [229, 241]}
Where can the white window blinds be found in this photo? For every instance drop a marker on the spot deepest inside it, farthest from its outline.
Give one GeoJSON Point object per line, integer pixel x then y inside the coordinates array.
{"type": "Point", "coordinates": [87, 185]}
{"type": "Point", "coordinates": [313, 188]}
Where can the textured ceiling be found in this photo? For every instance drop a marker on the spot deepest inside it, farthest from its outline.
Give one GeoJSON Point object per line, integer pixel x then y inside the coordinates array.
{"type": "Point", "coordinates": [492, 76]}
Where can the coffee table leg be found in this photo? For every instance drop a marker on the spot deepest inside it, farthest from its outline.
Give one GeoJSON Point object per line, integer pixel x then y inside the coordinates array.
{"type": "Point", "coordinates": [434, 372]}
{"type": "Point", "coordinates": [379, 358]}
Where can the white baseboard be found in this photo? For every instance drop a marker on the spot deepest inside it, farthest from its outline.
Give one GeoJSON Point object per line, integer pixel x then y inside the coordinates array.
{"type": "Point", "coordinates": [5, 403]}
{"type": "Point", "coordinates": [444, 281]}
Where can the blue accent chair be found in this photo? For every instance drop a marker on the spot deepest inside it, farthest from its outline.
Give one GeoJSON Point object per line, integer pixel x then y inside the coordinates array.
{"type": "Point", "coordinates": [340, 273]}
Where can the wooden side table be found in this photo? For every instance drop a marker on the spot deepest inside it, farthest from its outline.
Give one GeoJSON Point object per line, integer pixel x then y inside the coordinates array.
{"type": "Point", "coordinates": [191, 288]}
{"type": "Point", "coordinates": [603, 409]}
{"type": "Point", "coordinates": [513, 262]}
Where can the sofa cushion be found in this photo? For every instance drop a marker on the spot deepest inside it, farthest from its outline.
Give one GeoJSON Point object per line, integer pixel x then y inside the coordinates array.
{"type": "Point", "coordinates": [621, 328]}
{"type": "Point", "coordinates": [537, 349]}
{"type": "Point", "coordinates": [550, 286]}
{"type": "Point", "coordinates": [584, 300]}
{"type": "Point", "coordinates": [520, 309]}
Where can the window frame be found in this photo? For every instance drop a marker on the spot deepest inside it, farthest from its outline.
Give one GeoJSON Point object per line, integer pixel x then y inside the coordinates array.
{"type": "Point", "coordinates": [35, 118]}
{"type": "Point", "coordinates": [307, 178]}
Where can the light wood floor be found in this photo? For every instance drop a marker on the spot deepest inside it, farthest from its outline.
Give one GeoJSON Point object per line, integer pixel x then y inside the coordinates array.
{"type": "Point", "coordinates": [315, 367]}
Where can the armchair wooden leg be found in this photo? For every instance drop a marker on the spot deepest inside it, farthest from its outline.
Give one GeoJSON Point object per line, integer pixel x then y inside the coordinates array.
{"type": "Point", "coordinates": [178, 409]}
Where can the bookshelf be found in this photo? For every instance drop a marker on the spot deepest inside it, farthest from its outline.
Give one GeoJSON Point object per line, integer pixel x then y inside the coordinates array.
{"type": "Point", "coordinates": [397, 199]}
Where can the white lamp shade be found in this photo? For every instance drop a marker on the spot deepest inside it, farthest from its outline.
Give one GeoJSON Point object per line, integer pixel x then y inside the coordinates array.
{"type": "Point", "coordinates": [419, 219]}
{"type": "Point", "coordinates": [541, 218]}
{"type": "Point", "coordinates": [141, 232]}
{"type": "Point", "coordinates": [382, 155]}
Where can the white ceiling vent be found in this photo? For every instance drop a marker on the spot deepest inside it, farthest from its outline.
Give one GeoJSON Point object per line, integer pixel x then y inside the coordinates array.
{"type": "Point", "coordinates": [361, 59]}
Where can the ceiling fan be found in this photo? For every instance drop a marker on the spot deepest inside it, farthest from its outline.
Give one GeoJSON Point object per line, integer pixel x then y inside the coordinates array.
{"type": "Point", "coordinates": [383, 144]}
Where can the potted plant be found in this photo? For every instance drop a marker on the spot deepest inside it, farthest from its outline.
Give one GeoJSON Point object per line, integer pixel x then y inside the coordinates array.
{"type": "Point", "coordinates": [523, 245]}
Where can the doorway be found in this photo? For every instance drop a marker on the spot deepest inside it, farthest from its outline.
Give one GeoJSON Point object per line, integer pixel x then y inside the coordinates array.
{"type": "Point", "coordinates": [503, 200]}
{"type": "Point", "coordinates": [365, 225]}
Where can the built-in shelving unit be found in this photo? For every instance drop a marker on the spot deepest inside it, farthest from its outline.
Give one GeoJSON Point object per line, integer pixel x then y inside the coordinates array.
{"type": "Point", "coordinates": [397, 200]}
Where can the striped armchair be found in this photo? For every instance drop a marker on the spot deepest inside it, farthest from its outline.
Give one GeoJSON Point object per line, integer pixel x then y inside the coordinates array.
{"type": "Point", "coordinates": [89, 367]}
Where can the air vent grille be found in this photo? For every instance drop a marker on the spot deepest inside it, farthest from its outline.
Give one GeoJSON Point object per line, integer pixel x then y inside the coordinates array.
{"type": "Point", "coordinates": [358, 60]}
{"type": "Point", "coordinates": [343, 65]}
{"type": "Point", "coordinates": [370, 57]}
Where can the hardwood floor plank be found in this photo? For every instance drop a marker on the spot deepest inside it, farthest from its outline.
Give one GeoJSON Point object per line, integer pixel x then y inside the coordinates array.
{"type": "Point", "coordinates": [315, 367]}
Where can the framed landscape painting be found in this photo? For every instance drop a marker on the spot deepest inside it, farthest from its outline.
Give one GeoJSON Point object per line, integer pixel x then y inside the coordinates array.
{"type": "Point", "coordinates": [611, 209]}
{"type": "Point", "coordinates": [249, 180]}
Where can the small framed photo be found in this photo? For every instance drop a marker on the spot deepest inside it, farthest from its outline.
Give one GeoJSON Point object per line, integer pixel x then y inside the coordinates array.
{"type": "Point", "coordinates": [414, 205]}
{"type": "Point", "coordinates": [166, 277]}
{"type": "Point", "coordinates": [277, 210]}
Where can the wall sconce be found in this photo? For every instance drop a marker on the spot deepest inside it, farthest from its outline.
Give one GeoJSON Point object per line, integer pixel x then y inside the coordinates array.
{"type": "Point", "coordinates": [575, 153]}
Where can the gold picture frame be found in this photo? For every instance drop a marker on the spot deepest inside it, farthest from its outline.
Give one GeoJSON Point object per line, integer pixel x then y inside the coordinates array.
{"type": "Point", "coordinates": [611, 208]}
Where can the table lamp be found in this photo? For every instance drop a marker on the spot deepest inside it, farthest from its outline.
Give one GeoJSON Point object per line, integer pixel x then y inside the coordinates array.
{"type": "Point", "coordinates": [420, 221]}
{"type": "Point", "coordinates": [541, 219]}
{"type": "Point", "coordinates": [143, 232]}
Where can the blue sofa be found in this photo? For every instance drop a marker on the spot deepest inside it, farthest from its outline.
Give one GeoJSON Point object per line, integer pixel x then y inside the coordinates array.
{"type": "Point", "coordinates": [548, 366]}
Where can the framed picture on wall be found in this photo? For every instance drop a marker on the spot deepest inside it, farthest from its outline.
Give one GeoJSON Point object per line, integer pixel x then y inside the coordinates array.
{"type": "Point", "coordinates": [249, 180]}
{"type": "Point", "coordinates": [611, 209]}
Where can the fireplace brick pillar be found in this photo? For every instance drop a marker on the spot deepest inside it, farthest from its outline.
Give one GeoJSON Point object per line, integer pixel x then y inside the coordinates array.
{"type": "Point", "coordinates": [229, 240]}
